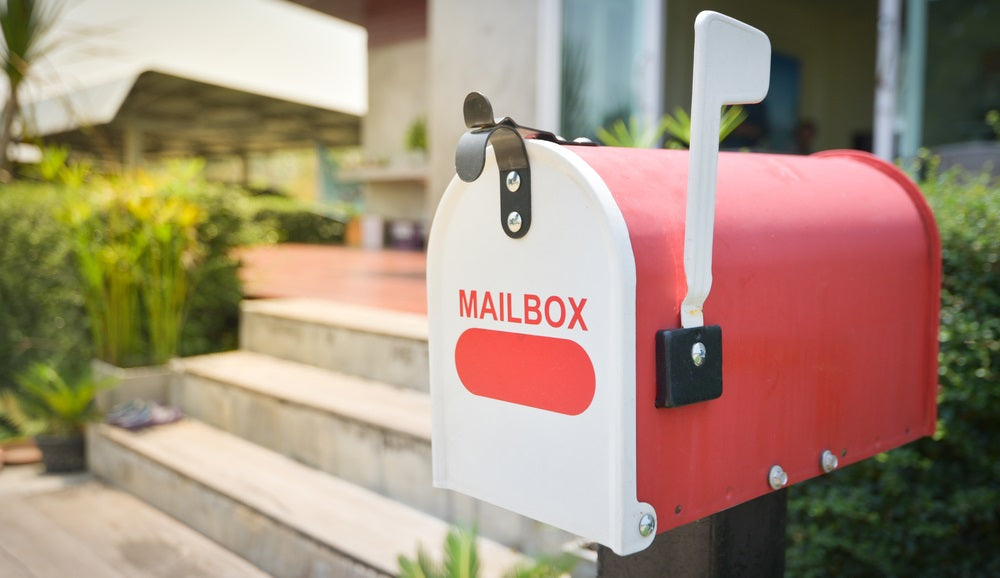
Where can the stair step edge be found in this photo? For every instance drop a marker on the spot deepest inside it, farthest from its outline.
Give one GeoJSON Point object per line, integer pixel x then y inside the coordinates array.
{"type": "Point", "coordinates": [346, 517]}
{"type": "Point", "coordinates": [387, 406]}
{"type": "Point", "coordinates": [350, 316]}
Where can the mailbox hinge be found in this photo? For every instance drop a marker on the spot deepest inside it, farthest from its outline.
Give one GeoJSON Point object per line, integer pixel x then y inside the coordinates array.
{"type": "Point", "coordinates": [512, 159]}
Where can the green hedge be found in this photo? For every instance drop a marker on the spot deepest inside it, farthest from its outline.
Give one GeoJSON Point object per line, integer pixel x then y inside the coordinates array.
{"type": "Point", "coordinates": [42, 315]}
{"type": "Point", "coordinates": [931, 508]}
{"type": "Point", "coordinates": [297, 222]}
{"type": "Point", "coordinates": [212, 322]}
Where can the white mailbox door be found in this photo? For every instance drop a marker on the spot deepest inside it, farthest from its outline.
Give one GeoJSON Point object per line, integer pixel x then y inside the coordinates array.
{"type": "Point", "coordinates": [532, 352]}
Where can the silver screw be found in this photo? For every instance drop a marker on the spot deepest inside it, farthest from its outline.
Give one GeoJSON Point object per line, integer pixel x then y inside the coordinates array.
{"type": "Point", "coordinates": [777, 477]}
{"type": "Point", "coordinates": [647, 523]}
{"type": "Point", "coordinates": [513, 181]}
{"type": "Point", "coordinates": [514, 221]}
{"type": "Point", "coordinates": [828, 461]}
{"type": "Point", "coordinates": [698, 353]}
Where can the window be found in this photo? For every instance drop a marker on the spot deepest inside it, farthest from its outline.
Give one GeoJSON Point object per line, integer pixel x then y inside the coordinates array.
{"type": "Point", "coordinates": [611, 63]}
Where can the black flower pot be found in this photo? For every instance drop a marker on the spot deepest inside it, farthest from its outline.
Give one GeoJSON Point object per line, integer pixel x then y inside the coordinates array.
{"type": "Point", "coordinates": [63, 453]}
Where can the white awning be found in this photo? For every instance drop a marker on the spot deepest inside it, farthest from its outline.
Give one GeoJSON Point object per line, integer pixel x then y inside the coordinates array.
{"type": "Point", "coordinates": [212, 75]}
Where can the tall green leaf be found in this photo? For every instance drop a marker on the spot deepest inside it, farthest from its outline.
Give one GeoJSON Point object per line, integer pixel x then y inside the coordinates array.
{"type": "Point", "coordinates": [676, 127]}
{"type": "Point", "coordinates": [461, 559]}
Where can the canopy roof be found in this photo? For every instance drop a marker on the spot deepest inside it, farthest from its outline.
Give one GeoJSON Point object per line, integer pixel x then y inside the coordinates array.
{"type": "Point", "coordinates": [165, 115]}
{"type": "Point", "coordinates": [207, 77]}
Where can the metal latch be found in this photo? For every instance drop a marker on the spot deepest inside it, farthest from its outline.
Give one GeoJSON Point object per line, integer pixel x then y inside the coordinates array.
{"type": "Point", "coordinates": [507, 138]}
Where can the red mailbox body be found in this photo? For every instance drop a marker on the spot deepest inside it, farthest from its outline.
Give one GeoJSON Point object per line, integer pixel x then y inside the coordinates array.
{"type": "Point", "coordinates": [826, 286]}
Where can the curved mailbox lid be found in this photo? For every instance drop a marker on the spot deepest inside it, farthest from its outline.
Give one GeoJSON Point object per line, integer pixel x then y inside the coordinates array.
{"type": "Point", "coordinates": [569, 283]}
{"type": "Point", "coordinates": [827, 281]}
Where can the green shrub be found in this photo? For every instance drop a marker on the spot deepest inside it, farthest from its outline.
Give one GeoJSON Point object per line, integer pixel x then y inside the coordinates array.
{"type": "Point", "coordinates": [229, 223]}
{"type": "Point", "coordinates": [137, 252]}
{"type": "Point", "coordinates": [154, 249]}
{"type": "Point", "coordinates": [42, 316]}
{"type": "Point", "coordinates": [296, 222]}
{"type": "Point", "coordinates": [931, 508]}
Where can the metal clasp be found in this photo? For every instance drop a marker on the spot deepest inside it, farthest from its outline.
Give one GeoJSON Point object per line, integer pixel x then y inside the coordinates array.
{"type": "Point", "coordinates": [507, 138]}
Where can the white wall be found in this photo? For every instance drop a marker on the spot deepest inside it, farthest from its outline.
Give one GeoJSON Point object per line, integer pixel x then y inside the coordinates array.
{"type": "Point", "coordinates": [485, 46]}
{"type": "Point", "coordinates": [397, 95]}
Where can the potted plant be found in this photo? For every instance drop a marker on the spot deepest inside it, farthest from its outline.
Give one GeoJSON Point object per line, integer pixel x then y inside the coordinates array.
{"type": "Point", "coordinates": [415, 141]}
{"type": "Point", "coordinates": [56, 409]}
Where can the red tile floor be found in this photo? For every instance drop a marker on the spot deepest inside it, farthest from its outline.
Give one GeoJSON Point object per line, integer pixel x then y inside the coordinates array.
{"type": "Point", "coordinates": [390, 279]}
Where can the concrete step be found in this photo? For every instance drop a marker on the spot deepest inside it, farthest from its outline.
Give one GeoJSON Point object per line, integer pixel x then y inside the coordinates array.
{"type": "Point", "coordinates": [368, 433]}
{"type": "Point", "coordinates": [378, 344]}
{"type": "Point", "coordinates": [282, 516]}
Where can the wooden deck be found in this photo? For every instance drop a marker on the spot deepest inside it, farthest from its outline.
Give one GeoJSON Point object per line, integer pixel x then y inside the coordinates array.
{"type": "Point", "coordinates": [59, 526]}
{"type": "Point", "coordinates": [388, 279]}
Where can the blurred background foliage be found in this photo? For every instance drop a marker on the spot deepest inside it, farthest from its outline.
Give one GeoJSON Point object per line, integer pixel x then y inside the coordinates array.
{"type": "Point", "coordinates": [58, 211]}
{"type": "Point", "coordinates": [42, 317]}
{"type": "Point", "coordinates": [931, 508]}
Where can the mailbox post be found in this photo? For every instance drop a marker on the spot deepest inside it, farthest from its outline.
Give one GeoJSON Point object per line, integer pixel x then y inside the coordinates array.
{"type": "Point", "coordinates": [745, 540]}
{"type": "Point", "coordinates": [627, 341]}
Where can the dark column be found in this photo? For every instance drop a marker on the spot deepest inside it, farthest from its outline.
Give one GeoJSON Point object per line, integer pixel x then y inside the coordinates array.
{"type": "Point", "coordinates": [745, 540]}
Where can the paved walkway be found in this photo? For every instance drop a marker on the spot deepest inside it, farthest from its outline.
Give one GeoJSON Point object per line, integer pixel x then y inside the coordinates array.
{"type": "Point", "coordinates": [388, 279]}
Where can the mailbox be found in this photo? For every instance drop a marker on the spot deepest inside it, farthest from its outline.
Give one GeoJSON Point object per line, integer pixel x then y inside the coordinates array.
{"type": "Point", "coordinates": [565, 383]}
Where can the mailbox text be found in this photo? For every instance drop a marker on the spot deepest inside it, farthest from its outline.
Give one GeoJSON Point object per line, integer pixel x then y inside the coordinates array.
{"type": "Point", "coordinates": [528, 308]}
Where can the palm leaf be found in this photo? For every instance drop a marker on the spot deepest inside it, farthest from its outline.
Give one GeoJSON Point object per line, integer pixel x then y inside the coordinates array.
{"type": "Point", "coordinates": [546, 567]}
{"type": "Point", "coordinates": [461, 558]}
{"type": "Point", "coordinates": [635, 134]}
{"type": "Point", "coordinates": [44, 395]}
{"type": "Point", "coordinates": [732, 117]}
{"type": "Point", "coordinates": [410, 569]}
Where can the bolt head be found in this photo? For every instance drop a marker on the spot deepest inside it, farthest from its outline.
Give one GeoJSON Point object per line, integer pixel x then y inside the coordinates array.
{"type": "Point", "coordinates": [513, 181]}
{"type": "Point", "coordinates": [828, 461]}
{"type": "Point", "coordinates": [777, 477]}
{"type": "Point", "coordinates": [698, 353]}
{"type": "Point", "coordinates": [647, 524]}
{"type": "Point", "coordinates": [514, 221]}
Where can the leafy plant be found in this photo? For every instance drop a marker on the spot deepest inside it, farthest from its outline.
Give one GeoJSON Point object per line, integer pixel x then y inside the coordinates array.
{"type": "Point", "coordinates": [55, 165]}
{"type": "Point", "coordinates": [108, 263]}
{"type": "Point", "coordinates": [416, 135]}
{"type": "Point", "coordinates": [993, 119]}
{"type": "Point", "coordinates": [61, 406]}
{"type": "Point", "coordinates": [677, 128]}
{"type": "Point", "coordinates": [461, 560]}
{"type": "Point", "coordinates": [44, 228]}
{"type": "Point", "coordinates": [635, 134]}
{"type": "Point", "coordinates": [137, 247]}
